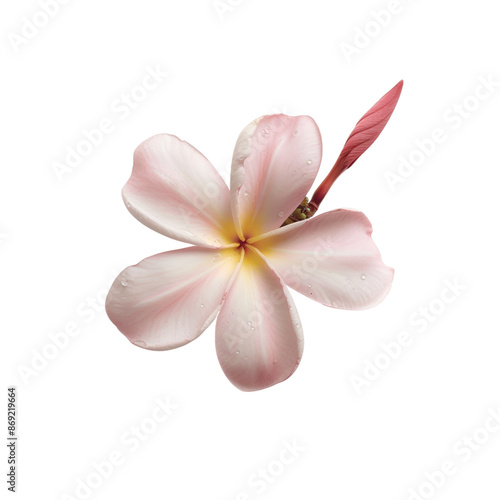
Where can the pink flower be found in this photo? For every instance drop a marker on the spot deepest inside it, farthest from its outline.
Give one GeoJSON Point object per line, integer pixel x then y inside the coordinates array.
{"type": "Point", "coordinates": [243, 257]}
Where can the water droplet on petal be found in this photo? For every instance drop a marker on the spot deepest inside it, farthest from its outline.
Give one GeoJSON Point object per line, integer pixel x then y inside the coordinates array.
{"type": "Point", "coordinates": [237, 352]}
{"type": "Point", "coordinates": [281, 214]}
{"type": "Point", "coordinates": [249, 323]}
{"type": "Point", "coordinates": [124, 282]}
{"type": "Point", "coordinates": [297, 325]}
{"type": "Point", "coordinates": [140, 343]}
{"type": "Point", "coordinates": [309, 285]}
{"type": "Point", "coordinates": [363, 276]}
{"type": "Point", "coordinates": [202, 305]}
{"type": "Point", "coordinates": [309, 162]}
{"type": "Point", "coordinates": [253, 328]}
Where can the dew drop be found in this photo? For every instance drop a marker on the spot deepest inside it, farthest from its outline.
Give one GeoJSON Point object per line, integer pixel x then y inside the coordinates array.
{"type": "Point", "coordinates": [202, 305]}
{"type": "Point", "coordinates": [281, 214]}
{"type": "Point", "coordinates": [128, 204]}
{"type": "Point", "coordinates": [363, 276]}
{"type": "Point", "coordinates": [237, 352]}
{"type": "Point", "coordinates": [309, 285]}
{"type": "Point", "coordinates": [309, 162]}
{"type": "Point", "coordinates": [224, 296]}
{"type": "Point", "coordinates": [216, 256]}
{"type": "Point", "coordinates": [249, 323]}
{"type": "Point", "coordinates": [140, 343]}
{"type": "Point", "coordinates": [253, 328]}
{"type": "Point", "coordinates": [297, 325]}
{"type": "Point", "coordinates": [124, 282]}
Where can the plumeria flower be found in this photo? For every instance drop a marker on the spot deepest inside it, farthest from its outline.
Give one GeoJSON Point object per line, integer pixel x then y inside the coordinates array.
{"type": "Point", "coordinates": [250, 242]}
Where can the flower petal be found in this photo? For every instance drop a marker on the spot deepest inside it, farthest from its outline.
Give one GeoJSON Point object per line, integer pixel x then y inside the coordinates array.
{"type": "Point", "coordinates": [169, 299]}
{"type": "Point", "coordinates": [176, 191]}
{"type": "Point", "coordinates": [258, 334]}
{"type": "Point", "coordinates": [330, 258]}
{"type": "Point", "coordinates": [275, 162]}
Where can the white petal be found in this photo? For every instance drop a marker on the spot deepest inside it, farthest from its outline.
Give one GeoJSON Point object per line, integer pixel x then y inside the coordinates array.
{"type": "Point", "coordinates": [330, 258]}
{"type": "Point", "coordinates": [258, 334]}
{"type": "Point", "coordinates": [176, 191]}
{"type": "Point", "coordinates": [169, 299]}
{"type": "Point", "coordinates": [275, 162]}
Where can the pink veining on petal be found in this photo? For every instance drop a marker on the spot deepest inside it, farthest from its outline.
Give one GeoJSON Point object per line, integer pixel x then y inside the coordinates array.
{"type": "Point", "coordinates": [169, 299]}
{"type": "Point", "coordinates": [275, 162]}
{"type": "Point", "coordinates": [258, 334]}
{"type": "Point", "coordinates": [330, 258]}
{"type": "Point", "coordinates": [176, 191]}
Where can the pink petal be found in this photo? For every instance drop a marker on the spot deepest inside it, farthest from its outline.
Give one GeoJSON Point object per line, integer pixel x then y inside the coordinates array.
{"type": "Point", "coordinates": [275, 162]}
{"type": "Point", "coordinates": [258, 334]}
{"type": "Point", "coordinates": [169, 299]}
{"type": "Point", "coordinates": [330, 258]}
{"type": "Point", "coordinates": [176, 191]}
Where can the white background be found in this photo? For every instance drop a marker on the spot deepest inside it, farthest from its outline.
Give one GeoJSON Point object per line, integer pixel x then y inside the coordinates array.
{"type": "Point", "coordinates": [63, 240]}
